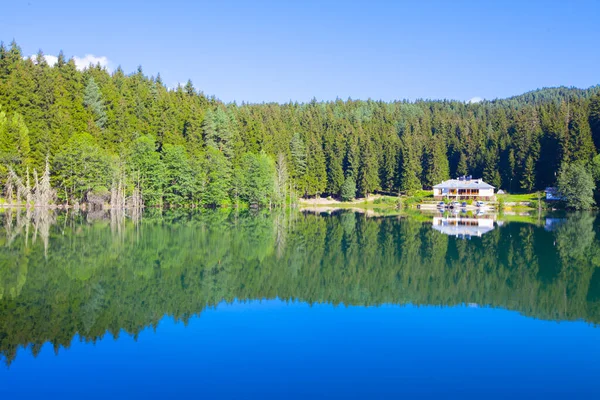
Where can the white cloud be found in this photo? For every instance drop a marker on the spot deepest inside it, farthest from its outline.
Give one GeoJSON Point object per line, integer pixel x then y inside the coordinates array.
{"type": "Point", "coordinates": [475, 100]}
{"type": "Point", "coordinates": [85, 61]}
{"type": "Point", "coordinates": [51, 60]}
{"type": "Point", "coordinates": [80, 62]}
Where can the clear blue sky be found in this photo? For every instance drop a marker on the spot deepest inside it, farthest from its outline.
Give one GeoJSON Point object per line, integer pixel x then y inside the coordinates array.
{"type": "Point", "coordinates": [278, 50]}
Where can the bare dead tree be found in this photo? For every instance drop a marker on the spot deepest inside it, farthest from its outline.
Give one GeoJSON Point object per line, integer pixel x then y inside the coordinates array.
{"type": "Point", "coordinates": [9, 189]}
{"type": "Point", "coordinates": [22, 189]}
{"type": "Point", "coordinates": [281, 177]}
{"type": "Point", "coordinates": [43, 194]}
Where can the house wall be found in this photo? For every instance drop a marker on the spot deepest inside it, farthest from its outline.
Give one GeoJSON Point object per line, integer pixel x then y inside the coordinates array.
{"type": "Point", "coordinates": [481, 194]}
{"type": "Point", "coordinates": [486, 192]}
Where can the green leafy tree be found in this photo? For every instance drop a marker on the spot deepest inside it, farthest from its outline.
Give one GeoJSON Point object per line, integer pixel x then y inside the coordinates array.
{"type": "Point", "coordinates": [179, 184]}
{"type": "Point", "coordinates": [218, 178]}
{"type": "Point", "coordinates": [577, 185]}
{"type": "Point", "coordinates": [258, 181]}
{"type": "Point", "coordinates": [147, 170]}
{"type": "Point", "coordinates": [14, 143]}
{"type": "Point", "coordinates": [82, 167]}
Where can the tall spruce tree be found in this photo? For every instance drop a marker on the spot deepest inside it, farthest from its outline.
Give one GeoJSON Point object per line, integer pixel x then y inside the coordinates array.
{"type": "Point", "coordinates": [92, 99]}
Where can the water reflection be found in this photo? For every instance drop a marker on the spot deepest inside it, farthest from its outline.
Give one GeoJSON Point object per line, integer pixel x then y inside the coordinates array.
{"type": "Point", "coordinates": [463, 226]}
{"type": "Point", "coordinates": [89, 274]}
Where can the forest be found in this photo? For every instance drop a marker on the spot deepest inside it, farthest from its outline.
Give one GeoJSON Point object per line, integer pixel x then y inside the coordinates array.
{"type": "Point", "coordinates": [127, 139]}
{"type": "Point", "coordinates": [93, 274]}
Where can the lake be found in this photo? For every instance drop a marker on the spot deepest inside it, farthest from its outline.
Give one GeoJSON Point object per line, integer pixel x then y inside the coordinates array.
{"type": "Point", "coordinates": [231, 305]}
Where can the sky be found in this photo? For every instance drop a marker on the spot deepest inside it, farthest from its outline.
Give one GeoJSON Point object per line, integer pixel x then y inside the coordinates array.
{"type": "Point", "coordinates": [264, 51]}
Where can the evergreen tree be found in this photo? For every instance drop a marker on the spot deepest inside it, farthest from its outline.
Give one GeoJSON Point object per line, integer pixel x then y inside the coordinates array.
{"type": "Point", "coordinates": [298, 151]}
{"type": "Point", "coordinates": [147, 170]}
{"type": "Point", "coordinates": [179, 184]}
{"type": "Point", "coordinates": [92, 99]}
{"type": "Point", "coordinates": [528, 177]}
{"type": "Point", "coordinates": [368, 178]}
{"type": "Point", "coordinates": [81, 167]}
{"type": "Point", "coordinates": [382, 146]}
{"type": "Point", "coordinates": [348, 191]}
{"type": "Point", "coordinates": [316, 173]}
{"type": "Point", "coordinates": [218, 178]}
{"type": "Point", "coordinates": [411, 164]}
{"type": "Point", "coordinates": [437, 168]}
{"type": "Point", "coordinates": [258, 179]}
{"type": "Point", "coordinates": [594, 119]}
{"type": "Point", "coordinates": [462, 168]}
{"type": "Point", "coordinates": [218, 131]}
{"type": "Point", "coordinates": [14, 143]}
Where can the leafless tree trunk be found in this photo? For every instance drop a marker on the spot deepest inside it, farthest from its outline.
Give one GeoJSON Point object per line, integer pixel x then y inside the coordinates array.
{"type": "Point", "coordinates": [281, 178]}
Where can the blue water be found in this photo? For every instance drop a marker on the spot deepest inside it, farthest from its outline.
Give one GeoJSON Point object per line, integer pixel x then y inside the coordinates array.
{"type": "Point", "coordinates": [274, 349]}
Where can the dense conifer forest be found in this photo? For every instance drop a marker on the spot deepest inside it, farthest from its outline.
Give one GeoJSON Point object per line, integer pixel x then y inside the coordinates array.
{"type": "Point", "coordinates": [113, 137]}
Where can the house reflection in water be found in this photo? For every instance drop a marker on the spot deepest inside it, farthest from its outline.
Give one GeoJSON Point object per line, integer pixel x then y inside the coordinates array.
{"type": "Point", "coordinates": [463, 227]}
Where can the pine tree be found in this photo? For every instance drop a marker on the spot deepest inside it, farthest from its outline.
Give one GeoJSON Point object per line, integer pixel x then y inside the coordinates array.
{"type": "Point", "coordinates": [437, 167]}
{"type": "Point", "coordinates": [179, 184]}
{"type": "Point", "coordinates": [92, 99]}
{"type": "Point", "coordinates": [14, 143]}
{"type": "Point", "coordinates": [411, 164]}
{"type": "Point", "coordinates": [218, 178]}
{"type": "Point", "coordinates": [528, 177]}
{"type": "Point", "coordinates": [281, 178]}
{"type": "Point", "coordinates": [462, 168]}
{"type": "Point", "coordinates": [490, 171]}
{"type": "Point", "coordinates": [594, 119]}
{"type": "Point", "coordinates": [258, 175]}
{"type": "Point", "coordinates": [218, 131]}
{"type": "Point", "coordinates": [147, 170]}
{"type": "Point", "coordinates": [368, 177]}
{"type": "Point", "coordinates": [298, 151]}
{"type": "Point", "coordinates": [316, 172]}
{"type": "Point", "coordinates": [580, 134]}
{"type": "Point", "coordinates": [348, 190]}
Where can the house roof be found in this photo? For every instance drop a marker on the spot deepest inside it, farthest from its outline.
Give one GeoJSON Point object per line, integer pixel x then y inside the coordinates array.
{"type": "Point", "coordinates": [463, 184]}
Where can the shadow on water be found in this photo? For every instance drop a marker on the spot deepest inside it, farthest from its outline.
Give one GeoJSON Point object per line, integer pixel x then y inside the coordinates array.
{"type": "Point", "coordinates": [72, 273]}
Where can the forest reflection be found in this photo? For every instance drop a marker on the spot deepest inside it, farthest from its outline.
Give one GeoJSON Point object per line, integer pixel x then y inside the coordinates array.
{"type": "Point", "coordinates": [63, 274]}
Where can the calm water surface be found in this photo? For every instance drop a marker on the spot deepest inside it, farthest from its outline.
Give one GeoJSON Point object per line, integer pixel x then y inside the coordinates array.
{"type": "Point", "coordinates": [299, 305]}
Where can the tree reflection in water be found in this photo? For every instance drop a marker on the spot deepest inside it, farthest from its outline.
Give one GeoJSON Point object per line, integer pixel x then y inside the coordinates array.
{"type": "Point", "coordinates": [63, 274]}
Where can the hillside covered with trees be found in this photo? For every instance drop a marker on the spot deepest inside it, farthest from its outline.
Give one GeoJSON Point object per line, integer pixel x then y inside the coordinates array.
{"type": "Point", "coordinates": [104, 133]}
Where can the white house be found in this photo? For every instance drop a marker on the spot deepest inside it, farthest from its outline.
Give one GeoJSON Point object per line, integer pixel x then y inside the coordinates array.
{"type": "Point", "coordinates": [464, 188]}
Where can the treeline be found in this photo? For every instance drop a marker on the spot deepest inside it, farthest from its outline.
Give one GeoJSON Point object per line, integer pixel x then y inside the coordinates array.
{"type": "Point", "coordinates": [63, 275]}
{"type": "Point", "coordinates": [101, 131]}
